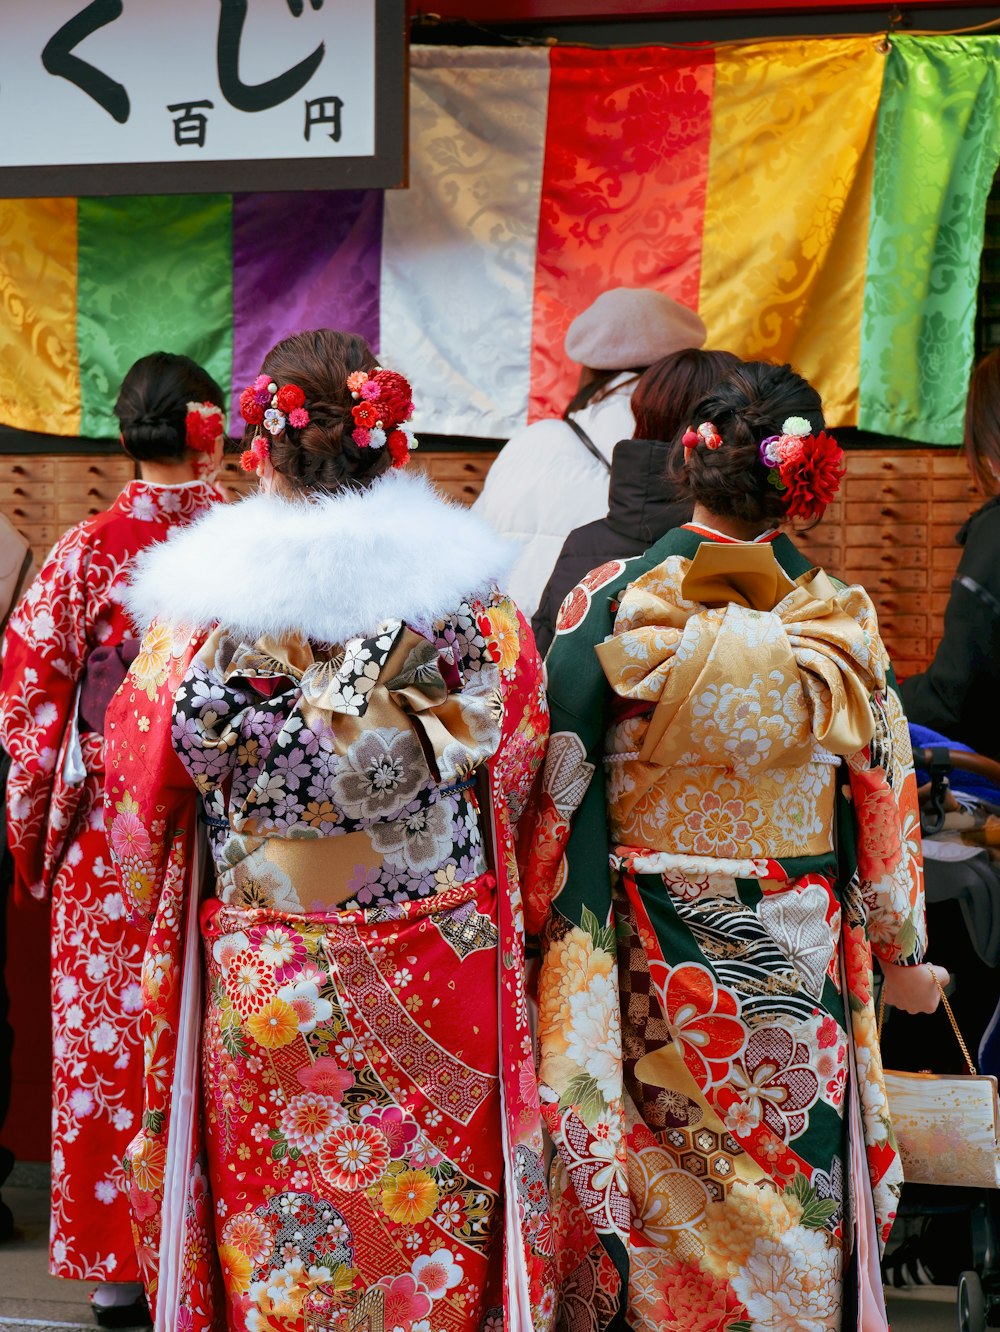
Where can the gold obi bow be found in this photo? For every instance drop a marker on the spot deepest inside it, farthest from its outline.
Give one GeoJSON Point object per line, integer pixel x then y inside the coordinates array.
{"type": "Point", "coordinates": [726, 646]}
{"type": "Point", "coordinates": [395, 679]}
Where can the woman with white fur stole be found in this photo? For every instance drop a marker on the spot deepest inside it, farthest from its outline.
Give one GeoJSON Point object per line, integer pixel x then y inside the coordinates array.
{"type": "Point", "coordinates": [335, 695]}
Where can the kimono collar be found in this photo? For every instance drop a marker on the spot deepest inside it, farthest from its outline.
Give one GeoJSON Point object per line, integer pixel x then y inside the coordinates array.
{"type": "Point", "coordinates": [165, 504]}
{"type": "Point", "coordinates": [331, 568]}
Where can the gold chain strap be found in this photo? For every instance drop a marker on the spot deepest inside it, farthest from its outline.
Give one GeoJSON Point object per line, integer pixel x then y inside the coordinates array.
{"type": "Point", "coordinates": [951, 1018]}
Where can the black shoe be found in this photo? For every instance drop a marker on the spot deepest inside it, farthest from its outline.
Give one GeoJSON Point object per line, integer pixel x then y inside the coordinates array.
{"type": "Point", "coordinates": [135, 1314]}
{"type": "Point", "coordinates": [6, 1223]}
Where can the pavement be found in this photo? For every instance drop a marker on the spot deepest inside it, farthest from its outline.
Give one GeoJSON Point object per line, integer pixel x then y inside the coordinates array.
{"type": "Point", "coordinates": [32, 1301]}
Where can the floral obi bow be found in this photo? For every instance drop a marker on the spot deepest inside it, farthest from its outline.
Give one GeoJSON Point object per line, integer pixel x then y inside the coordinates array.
{"type": "Point", "coordinates": [742, 667]}
{"type": "Point", "coordinates": [396, 678]}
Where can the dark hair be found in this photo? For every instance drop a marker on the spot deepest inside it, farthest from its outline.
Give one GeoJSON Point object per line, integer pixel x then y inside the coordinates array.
{"type": "Point", "coordinates": [981, 434]}
{"type": "Point", "coordinates": [322, 455]}
{"type": "Point", "coordinates": [751, 402]}
{"type": "Point", "coordinates": [668, 391]}
{"type": "Point", "coordinates": [153, 402]}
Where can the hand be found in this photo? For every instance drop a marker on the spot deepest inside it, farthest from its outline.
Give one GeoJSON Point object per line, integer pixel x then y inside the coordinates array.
{"type": "Point", "coordinates": [912, 988]}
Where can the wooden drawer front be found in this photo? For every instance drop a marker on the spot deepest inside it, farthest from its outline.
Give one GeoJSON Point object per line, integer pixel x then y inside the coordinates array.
{"type": "Point", "coordinates": [865, 463]}
{"type": "Point", "coordinates": [942, 579]}
{"type": "Point", "coordinates": [28, 467]}
{"type": "Point", "coordinates": [68, 512]}
{"type": "Point", "coordinates": [42, 536]}
{"type": "Point", "coordinates": [887, 513]}
{"type": "Point", "coordinates": [900, 626]}
{"type": "Point", "coordinates": [953, 512]}
{"type": "Point", "coordinates": [464, 492]}
{"type": "Point", "coordinates": [885, 534]}
{"type": "Point", "coordinates": [903, 561]}
{"type": "Point", "coordinates": [25, 492]}
{"type": "Point", "coordinates": [957, 488]}
{"type": "Point", "coordinates": [886, 489]}
{"type": "Point", "coordinates": [106, 473]}
{"type": "Point", "coordinates": [892, 602]}
{"type": "Point", "coordinates": [22, 514]}
{"type": "Point", "coordinates": [469, 467]}
{"type": "Point", "coordinates": [945, 462]}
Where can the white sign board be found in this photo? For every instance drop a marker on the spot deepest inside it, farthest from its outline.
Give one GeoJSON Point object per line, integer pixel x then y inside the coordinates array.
{"type": "Point", "coordinates": [145, 95]}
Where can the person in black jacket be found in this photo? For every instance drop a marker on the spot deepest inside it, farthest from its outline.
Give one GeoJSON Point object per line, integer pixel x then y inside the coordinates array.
{"type": "Point", "coordinates": [959, 693]}
{"type": "Point", "coordinates": [643, 503]}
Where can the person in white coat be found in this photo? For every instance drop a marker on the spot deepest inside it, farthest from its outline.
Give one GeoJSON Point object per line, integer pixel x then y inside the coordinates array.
{"type": "Point", "coordinates": [552, 476]}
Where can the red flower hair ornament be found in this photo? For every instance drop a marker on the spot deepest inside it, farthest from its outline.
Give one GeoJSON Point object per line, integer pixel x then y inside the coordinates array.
{"type": "Point", "coordinates": [383, 405]}
{"type": "Point", "coordinates": [806, 468]}
{"type": "Point", "coordinates": [203, 427]}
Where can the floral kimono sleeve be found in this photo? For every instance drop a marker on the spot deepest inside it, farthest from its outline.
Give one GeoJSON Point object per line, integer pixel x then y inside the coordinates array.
{"type": "Point", "coordinates": [150, 801]}
{"type": "Point", "coordinates": [45, 648]}
{"type": "Point", "coordinates": [525, 727]}
{"type": "Point", "coordinates": [886, 819]}
{"type": "Point", "coordinates": [569, 826]}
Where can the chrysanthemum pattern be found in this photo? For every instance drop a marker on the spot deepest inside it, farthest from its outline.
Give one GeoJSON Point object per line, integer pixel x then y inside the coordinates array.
{"type": "Point", "coordinates": [742, 931]}
{"type": "Point", "coordinates": [358, 1105]}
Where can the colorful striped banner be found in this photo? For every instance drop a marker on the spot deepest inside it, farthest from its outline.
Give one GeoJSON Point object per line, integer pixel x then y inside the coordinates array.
{"type": "Point", "coordinates": [817, 201]}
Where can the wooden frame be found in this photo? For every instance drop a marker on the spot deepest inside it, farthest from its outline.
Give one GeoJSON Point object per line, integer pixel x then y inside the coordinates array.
{"type": "Point", "coordinates": [387, 168]}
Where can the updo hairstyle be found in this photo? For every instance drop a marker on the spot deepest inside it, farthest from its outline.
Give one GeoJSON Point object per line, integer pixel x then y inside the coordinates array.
{"type": "Point", "coordinates": [322, 455]}
{"type": "Point", "coordinates": [153, 402]}
{"type": "Point", "coordinates": [751, 402]}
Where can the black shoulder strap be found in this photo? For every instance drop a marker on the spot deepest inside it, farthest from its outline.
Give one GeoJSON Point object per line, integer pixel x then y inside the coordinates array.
{"type": "Point", "coordinates": [587, 442]}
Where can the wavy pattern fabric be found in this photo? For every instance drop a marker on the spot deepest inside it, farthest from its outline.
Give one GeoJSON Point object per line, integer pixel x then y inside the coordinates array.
{"type": "Point", "coordinates": [816, 201]}
{"type": "Point", "coordinates": [458, 248]}
{"type": "Point", "coordinates": [40, 385]}
{"type": "Point", "coordinates": [623, 191]}
{"type": "Point", "coordinates": [786, 217]}
{"type": "Point", "coordinates": [938, 148]}
{"type": "Point", "coordinates": [302, 261]}
{"type": "Point", "coordinates": [154, 274]}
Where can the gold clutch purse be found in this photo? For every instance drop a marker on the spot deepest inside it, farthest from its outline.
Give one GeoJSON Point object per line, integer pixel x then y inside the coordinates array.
{"type": "Point", "coordinates": [947, 1125]}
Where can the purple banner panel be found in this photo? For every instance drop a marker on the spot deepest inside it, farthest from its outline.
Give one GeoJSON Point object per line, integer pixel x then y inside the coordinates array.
{"type": "Point", "coordinates": [302, 261]}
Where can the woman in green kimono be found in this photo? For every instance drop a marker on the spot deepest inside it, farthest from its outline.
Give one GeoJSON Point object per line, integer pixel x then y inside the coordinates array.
{"type": "Point", "coordinates": [726, 729]}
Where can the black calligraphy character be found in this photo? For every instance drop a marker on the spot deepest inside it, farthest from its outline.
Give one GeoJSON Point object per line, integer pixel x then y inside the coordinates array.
{"type": "Point", "coordinates": [258, 96]}
{"type": "Point", "coordinates": [190, 123]}
{"type": "Point", "coordinates": [324, 111]}
{"type": "Point", "coordinates": [58, 58]}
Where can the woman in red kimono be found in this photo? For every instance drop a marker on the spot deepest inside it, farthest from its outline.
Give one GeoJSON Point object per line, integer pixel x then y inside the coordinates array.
{"type": "Point", "coordinates": [64, 646]}
{"type": "Point", "coordinates": [336, 689]}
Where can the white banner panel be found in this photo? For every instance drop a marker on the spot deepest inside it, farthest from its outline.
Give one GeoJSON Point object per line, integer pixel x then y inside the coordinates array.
{"type": "Point", "coordinates": [458, 250]}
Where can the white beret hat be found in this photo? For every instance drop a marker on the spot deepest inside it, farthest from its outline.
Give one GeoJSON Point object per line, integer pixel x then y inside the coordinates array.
{"type": "Point", "coordinates": [632, 327]}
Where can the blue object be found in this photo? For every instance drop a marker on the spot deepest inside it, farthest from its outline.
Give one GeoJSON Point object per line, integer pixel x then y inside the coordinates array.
{"type": "Point", "coordinates": [969, 783]}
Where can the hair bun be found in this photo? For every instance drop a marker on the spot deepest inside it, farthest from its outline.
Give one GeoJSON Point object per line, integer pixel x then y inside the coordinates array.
{"type": "Point", "coordinates": [152, 405]}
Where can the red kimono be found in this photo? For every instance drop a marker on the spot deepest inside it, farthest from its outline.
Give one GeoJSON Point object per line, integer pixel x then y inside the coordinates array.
{"type": "Point", "coordinates": [60, 849]}
{"type": "Point", "coordinates": [340, 1102]}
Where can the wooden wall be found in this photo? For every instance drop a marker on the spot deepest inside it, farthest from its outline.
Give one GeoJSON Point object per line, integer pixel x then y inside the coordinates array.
{"type": "Point", "coordinates": [892, 529]}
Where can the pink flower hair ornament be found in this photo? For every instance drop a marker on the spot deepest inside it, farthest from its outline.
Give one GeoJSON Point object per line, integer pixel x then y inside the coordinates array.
{"type": "Point", "coordinates": [264, 404]}
{"type": "Point", "coordinates": [705, 434]}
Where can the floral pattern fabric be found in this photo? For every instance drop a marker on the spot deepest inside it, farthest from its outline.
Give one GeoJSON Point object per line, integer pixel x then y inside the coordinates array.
{"type": "Point", "coordinates": [371, 1131]}
{"type": "Point", "coordinates": [707, 1037]}
{"type": "Point", "coordinates": [57, 840]}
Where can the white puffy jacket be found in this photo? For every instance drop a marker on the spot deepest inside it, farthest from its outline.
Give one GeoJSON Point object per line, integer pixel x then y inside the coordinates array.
{"type": "Point", "coordinates": [546, 482]}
